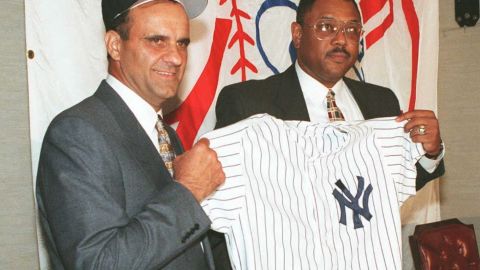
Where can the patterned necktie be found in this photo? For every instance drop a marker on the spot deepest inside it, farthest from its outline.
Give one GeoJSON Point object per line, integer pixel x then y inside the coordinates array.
{"type": "Point", "coordinates": [334, 113]}
{"type": "Point", "coordinates": [166, 149]}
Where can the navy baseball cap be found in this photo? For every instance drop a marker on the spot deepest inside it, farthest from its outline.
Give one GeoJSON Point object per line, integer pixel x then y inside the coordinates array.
{"type": "Point", "coordinates": [111, 9]}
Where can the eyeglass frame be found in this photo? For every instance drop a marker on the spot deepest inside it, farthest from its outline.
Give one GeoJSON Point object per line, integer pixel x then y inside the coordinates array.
{"type": "Point", "coordinates": [340, 25]}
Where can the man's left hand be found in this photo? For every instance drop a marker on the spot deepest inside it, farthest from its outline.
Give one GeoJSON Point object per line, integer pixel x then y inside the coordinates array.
{"type": "Point", "coordinates": [423, 128]}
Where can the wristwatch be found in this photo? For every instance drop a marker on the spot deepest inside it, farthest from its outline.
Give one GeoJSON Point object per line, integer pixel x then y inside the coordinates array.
{"type": "Point", "coordinates": [427, 155]}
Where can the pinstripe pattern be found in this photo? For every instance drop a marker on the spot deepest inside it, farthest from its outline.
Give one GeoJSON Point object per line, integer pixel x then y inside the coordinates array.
{"type": "Point", "coordinates": [276, 206]}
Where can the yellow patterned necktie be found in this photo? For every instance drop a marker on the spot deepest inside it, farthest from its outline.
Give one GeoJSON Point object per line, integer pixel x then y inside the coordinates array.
{"type": "Point", "coordinates": [334, 113]}
{"type": "Point", "coordinates": [165, 146]}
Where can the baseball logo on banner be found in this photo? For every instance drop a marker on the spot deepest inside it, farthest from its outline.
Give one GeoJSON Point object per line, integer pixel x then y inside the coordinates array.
{"type": "Point", "coordinates": [252, 40]}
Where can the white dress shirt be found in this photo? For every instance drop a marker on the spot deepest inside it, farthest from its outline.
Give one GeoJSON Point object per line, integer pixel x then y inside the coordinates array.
{"type": "Point", "coordinates": [144, 112]}
{"type": "Point", "coordinates": [315, 97]}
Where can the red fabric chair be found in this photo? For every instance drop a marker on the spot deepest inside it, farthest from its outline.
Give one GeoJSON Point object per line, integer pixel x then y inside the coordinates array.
{"type": "Point", "coordinates": [445, 245]}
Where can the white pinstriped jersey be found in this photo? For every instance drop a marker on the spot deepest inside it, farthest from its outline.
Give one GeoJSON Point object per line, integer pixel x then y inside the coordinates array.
{"type": "Point", "coordinates": [303, 195]}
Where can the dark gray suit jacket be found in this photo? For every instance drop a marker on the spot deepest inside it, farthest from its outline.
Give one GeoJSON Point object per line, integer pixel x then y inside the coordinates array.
{"type": "Point", "coordinates": [281, 96]}
{"type": "Point", "coordinates": [105, 198]}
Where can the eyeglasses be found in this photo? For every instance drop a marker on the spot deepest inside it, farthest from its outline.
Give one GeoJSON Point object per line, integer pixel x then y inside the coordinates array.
{"type": "Point", "coordinates": [329, 28]}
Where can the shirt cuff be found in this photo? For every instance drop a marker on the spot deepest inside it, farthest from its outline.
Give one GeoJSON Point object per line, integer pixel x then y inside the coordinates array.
{"type": "Point", "coordinates": [430, 165]}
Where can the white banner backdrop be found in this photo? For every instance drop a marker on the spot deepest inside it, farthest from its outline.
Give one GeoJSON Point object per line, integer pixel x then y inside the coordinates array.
{"type": "Point", "coordinates": [232, 40]}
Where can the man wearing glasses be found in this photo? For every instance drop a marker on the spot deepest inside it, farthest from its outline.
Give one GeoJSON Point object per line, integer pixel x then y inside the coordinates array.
{"type": "Point", "coordinates": [326, 37]}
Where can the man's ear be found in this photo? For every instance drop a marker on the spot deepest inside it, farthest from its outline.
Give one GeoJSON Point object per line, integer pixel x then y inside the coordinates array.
{"type": "Point", "coordinates": [113, 42]}
{"type": "Point", "coordinates": [296, 29]}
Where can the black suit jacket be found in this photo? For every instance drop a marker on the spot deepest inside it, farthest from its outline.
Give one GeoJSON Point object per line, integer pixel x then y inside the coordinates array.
{"type": "Point", "coordinates": [106, 199]}
{"type": "Point", "coordinates": [281, 96]}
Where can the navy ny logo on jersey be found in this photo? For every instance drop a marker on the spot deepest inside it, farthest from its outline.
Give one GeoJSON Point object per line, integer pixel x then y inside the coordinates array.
{"type": "Point", "coordinates": [347, 200]}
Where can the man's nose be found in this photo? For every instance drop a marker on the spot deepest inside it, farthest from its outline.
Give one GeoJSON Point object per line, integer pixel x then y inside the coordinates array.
{"type": "Point", "coordinates": [340, 37]}
{"type": "Point", "coordinates": [174, 55]}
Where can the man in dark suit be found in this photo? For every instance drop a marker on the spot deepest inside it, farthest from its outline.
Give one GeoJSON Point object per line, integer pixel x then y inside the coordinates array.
{"type": "Point", "coordinates": [106, 197]}
{"type": "Point", "coordinates": [326, 37]}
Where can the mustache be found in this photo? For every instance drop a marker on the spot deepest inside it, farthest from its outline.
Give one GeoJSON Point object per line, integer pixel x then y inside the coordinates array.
{"type": "Point", "coordinates": [339, 50]}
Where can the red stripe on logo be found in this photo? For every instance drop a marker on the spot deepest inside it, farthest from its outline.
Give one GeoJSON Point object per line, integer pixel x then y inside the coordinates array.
{"type": "Point", "coordinates": [370, 8]}
{"type": "Point", "coordinates": [191, 113]}
{"type": "Point", "coordinates": [414, 29]}
{"type": "Point", "coordinates": [377, 33]}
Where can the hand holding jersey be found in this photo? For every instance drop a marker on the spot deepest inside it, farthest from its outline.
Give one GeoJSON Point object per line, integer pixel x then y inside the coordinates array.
{"type": "Point", "coordinates": [424, 128]}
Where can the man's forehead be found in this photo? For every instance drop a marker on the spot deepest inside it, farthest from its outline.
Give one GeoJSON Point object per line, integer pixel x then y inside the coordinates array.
{"type": "Point", "coordinates": [151, 5]}
{"type": "Point", "coordinates": [347, 19]}
{"type": "Point", "coordinates": [330, 9]}
{"type": "Point", "coordinates": [159, 15]}
{"type": "Point", "coordinates": [159, 20]}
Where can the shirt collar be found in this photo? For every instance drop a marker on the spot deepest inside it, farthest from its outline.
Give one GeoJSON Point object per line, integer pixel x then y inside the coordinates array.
{"type": "Point", "coordinates": [308, 83]}
{"type": "Point", "coordinates": [145, 114]}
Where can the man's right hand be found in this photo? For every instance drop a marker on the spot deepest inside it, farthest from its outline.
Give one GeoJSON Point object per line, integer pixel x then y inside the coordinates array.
{"type": "Point", "coordinates": [199, 170]}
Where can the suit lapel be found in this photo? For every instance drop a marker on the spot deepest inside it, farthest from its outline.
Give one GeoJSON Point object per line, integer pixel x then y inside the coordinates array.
{"type": "Point", "coordinates": [373, 101]}
{"type": "Point", "coordinates": [290, 99]}
{"type": "Point", "coordinates": [135, 139]}
{"type": "Point", "coordinates": [361, 97]}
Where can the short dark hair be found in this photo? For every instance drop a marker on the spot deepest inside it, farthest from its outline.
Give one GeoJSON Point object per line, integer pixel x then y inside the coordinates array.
{"type": "Point", "coordinates": [120, 25]}
{"type": "Point", "coordinates": [303, 7]}
{"type": "Point", "coordinates": [306, 5]}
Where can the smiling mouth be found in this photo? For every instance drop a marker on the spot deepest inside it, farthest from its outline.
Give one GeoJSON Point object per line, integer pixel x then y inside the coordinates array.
{"type": "Point", "coordinates": [165, 73]}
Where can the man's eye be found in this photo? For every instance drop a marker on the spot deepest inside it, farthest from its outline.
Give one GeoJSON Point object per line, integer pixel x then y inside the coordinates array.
{"type": "Point", "coordinates": [156, 40]}
{"type": "Point", "coordinates": [326, 27]}
{"type": "Point", "coordinates": [352, 29]}
{"type": "Point", "coordinates": [183, 43]}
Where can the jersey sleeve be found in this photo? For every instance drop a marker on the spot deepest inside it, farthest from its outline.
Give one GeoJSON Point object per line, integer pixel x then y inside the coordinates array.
{"type": "Point", "coordinates": [400, 156]}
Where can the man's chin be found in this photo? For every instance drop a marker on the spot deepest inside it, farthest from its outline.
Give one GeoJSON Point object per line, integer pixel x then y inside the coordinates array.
{"type": "Point", "coordinates": [336, 73]}
{"type": "Point", "coordinates": [171, 93]}
{"type": "Point", "coordinates": [169, 88]}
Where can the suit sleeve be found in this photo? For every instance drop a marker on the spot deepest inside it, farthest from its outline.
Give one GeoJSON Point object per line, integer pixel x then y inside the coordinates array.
{"type": "Point", "coordinates": [82, 196]}
{"type": "Point", "coordinates": [229, 108]}
{"type": "Point", "coordinates": [423, 177]}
